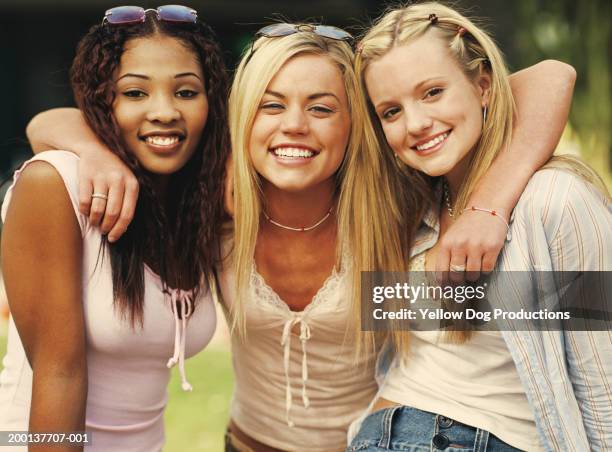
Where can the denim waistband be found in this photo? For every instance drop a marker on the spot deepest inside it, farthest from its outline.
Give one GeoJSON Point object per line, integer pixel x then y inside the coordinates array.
{"type": "Point", "coordinates": [406, 428]}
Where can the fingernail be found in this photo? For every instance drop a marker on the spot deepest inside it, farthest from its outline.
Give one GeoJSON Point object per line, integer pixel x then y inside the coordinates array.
{"type": "Point", "coordinates": [111, 238]}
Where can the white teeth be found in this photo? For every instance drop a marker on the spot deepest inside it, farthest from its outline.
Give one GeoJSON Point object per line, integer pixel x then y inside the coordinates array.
{"type": "Point", "coordinates": [432, 143]}
{"type": "Point", "coordinates": [293, 152]}
{"type": "Point", "coordinates": [162, 140]}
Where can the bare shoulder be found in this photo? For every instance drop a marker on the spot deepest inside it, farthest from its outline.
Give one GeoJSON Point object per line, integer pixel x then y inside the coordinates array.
{"type": "Point", "coordinates": [40, 202]}
{"type": "Point", "coordinates": [41, 247]}
{"type": "Point", "coordinates": [39, 173]}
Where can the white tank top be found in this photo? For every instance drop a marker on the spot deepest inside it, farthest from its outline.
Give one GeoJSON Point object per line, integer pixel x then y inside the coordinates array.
{"type": "Point", "coordinates": [475, 383]}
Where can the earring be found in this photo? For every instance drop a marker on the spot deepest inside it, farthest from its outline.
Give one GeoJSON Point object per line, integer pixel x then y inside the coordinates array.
{"type": "Point", "coordinates": [398, 160]}
{"type": "Point", "coordinates": [484, 115]}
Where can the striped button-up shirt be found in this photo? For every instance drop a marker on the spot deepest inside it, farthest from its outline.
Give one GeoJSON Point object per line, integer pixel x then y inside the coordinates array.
{"type": "Point", "coordinates": [561, 223]}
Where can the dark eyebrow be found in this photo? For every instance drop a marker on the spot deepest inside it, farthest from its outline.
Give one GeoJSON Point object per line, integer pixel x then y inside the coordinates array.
{"type": "Point", "coordinates": [144, 77]}
{"type": "Point", "coordinates": [187, 74]}
{"type": "Point", "coordinates": [311, 97]}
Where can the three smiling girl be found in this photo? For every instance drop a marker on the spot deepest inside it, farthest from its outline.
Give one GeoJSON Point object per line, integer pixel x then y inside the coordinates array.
{"type": "Point", "coordinates": [309, 174]}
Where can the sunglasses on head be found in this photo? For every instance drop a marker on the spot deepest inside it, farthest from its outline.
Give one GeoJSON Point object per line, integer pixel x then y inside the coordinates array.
{"type": "Point", "coordinates": [284, 29]}
{"type": "Point", "coordinates": [126, 15]}
{"type": "Point", "coordinates": [281, 30]}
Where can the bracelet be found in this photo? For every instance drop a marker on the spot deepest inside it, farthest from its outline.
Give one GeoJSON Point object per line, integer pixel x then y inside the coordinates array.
{"type": "Point", "coordinates": [492, 212]}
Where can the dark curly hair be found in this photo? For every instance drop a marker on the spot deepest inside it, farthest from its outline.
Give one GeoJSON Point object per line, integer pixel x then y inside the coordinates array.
{"type": "Point", "coordinates": [183, 241]}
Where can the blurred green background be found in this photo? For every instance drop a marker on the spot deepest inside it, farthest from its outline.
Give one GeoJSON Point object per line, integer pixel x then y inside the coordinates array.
{"type": "Point", "coordinates": [37, 41]}
{"type": "Point", "coordinates": [196, 421]}
{"type": "Point", "coordinates": [578, 33]}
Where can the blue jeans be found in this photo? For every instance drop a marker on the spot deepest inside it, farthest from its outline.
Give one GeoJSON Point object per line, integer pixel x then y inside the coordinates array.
{"type": "Point", "coordinates": [408, 429]}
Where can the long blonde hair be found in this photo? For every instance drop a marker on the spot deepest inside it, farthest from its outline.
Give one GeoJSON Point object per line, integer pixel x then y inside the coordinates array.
{"type": "Point", "coordinates": [410, 193]}
{"type": "Point", "coordinates": [475, 52]}
{"type": "Point", "coordinates": [254, 73]}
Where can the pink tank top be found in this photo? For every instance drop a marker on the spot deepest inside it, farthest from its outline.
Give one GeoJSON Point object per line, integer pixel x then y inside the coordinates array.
{"type": "Point", "coordinates": [128, 368]}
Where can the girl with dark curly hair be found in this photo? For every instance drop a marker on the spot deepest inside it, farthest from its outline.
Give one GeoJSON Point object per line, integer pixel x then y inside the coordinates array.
{"type": "Point", "coordinates": [94, 323]}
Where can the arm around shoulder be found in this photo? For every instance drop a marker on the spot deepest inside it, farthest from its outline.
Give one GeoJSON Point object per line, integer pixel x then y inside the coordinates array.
{"type": "Point", "coordinates": [42, 266]}
{"type": "Point", "coordinates": [543, 95]}
{"type": "Point", "coordinates": [62, 128]}
{"type": "Point", "coordinates": [100, 170]}
{"type": "Point", "coordinates": [553, 71]}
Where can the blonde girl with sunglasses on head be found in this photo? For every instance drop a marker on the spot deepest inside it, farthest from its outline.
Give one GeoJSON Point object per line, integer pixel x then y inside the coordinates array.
{"type": "Point", "coordinates": [441, 103]}
{"type": "Point", "coordinates": [295, 120]}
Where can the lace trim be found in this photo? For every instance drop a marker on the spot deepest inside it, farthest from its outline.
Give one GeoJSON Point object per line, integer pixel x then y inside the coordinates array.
{"type": "Point", "coordinates": [417, 263]}
{"type": "Point", "coordinates": [263, 293]}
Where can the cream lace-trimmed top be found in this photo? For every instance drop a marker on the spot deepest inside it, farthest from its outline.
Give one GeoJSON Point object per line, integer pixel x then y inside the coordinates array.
{"type": "Point", "coordinates": [297, 385]}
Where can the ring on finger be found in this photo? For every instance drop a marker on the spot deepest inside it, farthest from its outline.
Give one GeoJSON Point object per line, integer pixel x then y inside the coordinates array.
{"type": "Point", "coordinates": [457, 268]}
{"type": "Point", "coordinates": [100, 196]}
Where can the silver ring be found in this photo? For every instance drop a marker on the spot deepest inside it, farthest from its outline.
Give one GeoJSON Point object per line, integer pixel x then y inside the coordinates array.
{"type": "Point", "coordinates": [457, 268]}
{"type": "Point", "coordinates": [100, 196]}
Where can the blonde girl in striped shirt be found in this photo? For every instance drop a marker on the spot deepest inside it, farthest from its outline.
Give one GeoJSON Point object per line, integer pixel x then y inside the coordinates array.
{"type": "Point", "coordinates": [441, 104]}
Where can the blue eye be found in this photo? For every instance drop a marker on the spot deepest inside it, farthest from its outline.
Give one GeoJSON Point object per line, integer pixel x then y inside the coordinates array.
{"type": "Point", "coordinates": [187, 93]}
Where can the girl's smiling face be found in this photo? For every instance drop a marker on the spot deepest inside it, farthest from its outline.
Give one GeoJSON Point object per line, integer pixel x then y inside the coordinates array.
{"type": "Point", "coordinates": [160, 103]}
{"type": "Point", "coordinates": [430, 112]}
{"type": "Point", "coordinates": [302, 127]}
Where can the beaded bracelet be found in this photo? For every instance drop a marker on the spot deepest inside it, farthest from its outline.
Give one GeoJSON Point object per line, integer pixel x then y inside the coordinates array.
{"type": "Point", "coordinates": [492, 212]}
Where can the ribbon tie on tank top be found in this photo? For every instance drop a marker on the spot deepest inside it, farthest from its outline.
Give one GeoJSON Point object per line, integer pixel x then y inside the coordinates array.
{"type": "Point", "coordinates": [296, 318]}
{"type": "Point", "coordinates": [181, 302]}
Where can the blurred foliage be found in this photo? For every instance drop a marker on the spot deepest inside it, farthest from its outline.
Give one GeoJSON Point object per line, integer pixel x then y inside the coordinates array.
{"type": "Point", "coordinates": [578, 33]}
{"type": "Point", "coordinates": [196, 421]}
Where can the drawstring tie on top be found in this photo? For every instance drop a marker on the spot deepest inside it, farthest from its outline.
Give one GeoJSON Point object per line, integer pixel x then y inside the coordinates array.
{"type": "Point", "coordinates": [286, 344]}
{"type": "Point", "coordinates": [183, 299]}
